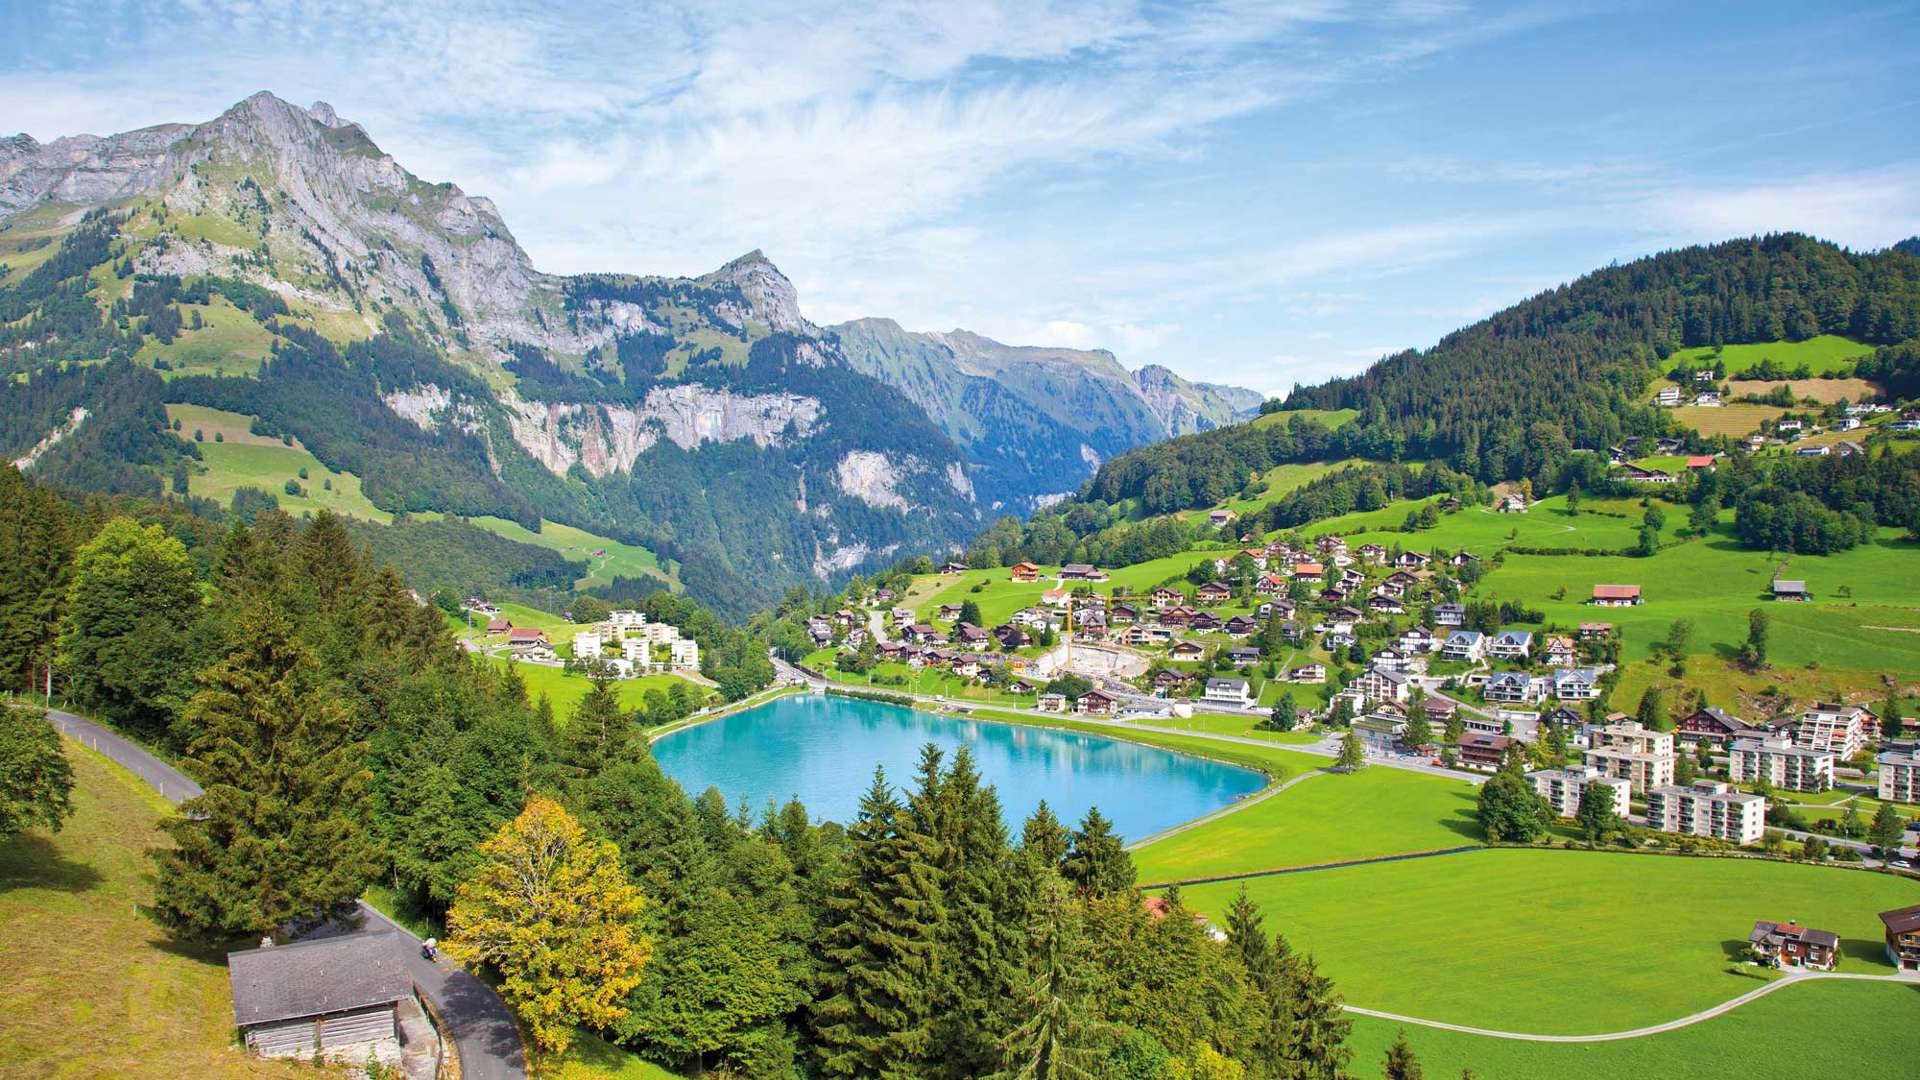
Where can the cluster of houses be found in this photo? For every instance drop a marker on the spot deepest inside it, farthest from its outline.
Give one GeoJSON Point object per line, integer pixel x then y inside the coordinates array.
{"type": "Point", "coordinates": [1792, 945]}
{"type": "Point", "coordinates": [627, 644]}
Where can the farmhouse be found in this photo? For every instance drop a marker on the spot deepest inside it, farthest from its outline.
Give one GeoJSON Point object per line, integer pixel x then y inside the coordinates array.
{"type": "Point", "coordinates": [1711, 725]}
{"type": "Point", "coordinates": [1616, 595]}
{"type": "Point", "coordinates": [1776, 760]}
{"type": "Point", "coordinates": [1025, 572]}
{"type": "Point", "coordinates": [1707, 808]}
{"type": "Point", "coordinates": [338, 998]}
{"type": "Point", "coordinates": [1903, 937]}
{"type": "Point", "coordinates": [1792, 945]}
{"type": "Point", "coordinates": [526, 637]}
{"type": "Point", "coordinates": [498, 626]}
{"type": "Point", "coordinates": [1081, 572]}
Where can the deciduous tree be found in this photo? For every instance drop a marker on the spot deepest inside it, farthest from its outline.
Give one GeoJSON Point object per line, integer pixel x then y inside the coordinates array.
{"type": "Point", "coordinates": [36, 783]}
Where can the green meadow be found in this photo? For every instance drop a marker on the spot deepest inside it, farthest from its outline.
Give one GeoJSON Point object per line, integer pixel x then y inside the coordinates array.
{"type": "Point", "coordinates": [229, 341]}
{"type": "Point", "coordinates": [1823, 354]}
{"type": "Point", "coordinates": [1859, 1030]}
{"type": "Point", "coordinates": [564, 691]}
{"type": "Point", "coordinates": [1556, 942]}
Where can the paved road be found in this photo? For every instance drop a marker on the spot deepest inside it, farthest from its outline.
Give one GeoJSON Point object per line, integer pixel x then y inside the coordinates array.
{"type": "Point", "coordinates": [476, 1018]}
{"type": "Point", "coordinates": [1909, 978]}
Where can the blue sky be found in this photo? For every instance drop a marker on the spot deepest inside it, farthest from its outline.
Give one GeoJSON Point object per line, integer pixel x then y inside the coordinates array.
{"type": "Point", "coordinates": [1258, 193]}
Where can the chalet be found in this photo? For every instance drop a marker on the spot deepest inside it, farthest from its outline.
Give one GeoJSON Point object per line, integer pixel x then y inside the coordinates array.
{"type": "Point", "coordinates": [1707, 399]}
{"type": "Point", "coordinates": [1095, 703]}
{"type": "Point", "coordinates": [498, 626]}
{"type": "Point", "coordinates": [1416, 639]}
{"type": "Point", "coordinates": [902, 616]}
{"type": "Point", "coordinates": [1846, 423]}
{"type": "Point", "coordinates": [949, 612]}
{"type": "Point", "coordinates": [1270, 585]}
{"type": "Point", "coordinates": [1511, 688]}
{"type": "Point", "coordinates": [1634, 474]}
{"type": "Point", "coordinates": [1448, 615]}
{"type": "Point", "coordinates": [1186, 650]}
{"type": "Point", "coordinates": [1169, 679]}
{"type": "Point", "coordinates": [1390, 587]}
{"type": "Point", "coordinates": [1121, 614]}
{"type": "Point", "coordinates": [1511, 645]}
{"type": "Point", "coordinates": [1464, 645]}
{"type": "Point", "coordinates": [1241, 626]}
{"type": "Point", "coordinates": [1786, 589]}
{"type": "Point", "coordinates": [1081, 572]}
{"type": "Point", "coordinates": [340, 998]}
{"type": "Point", "coordinates": [1903, 937]}
{"type": "Point", "coordinates": [1165, 597]}
{"type": "Point", "coordinates": [1789, 427]}
{"type": "Point", "coordinates": [1412, 560]}
{"type": "Point", "coordinates": [1511, 503]}
{"type": "Point", "coordinates": [1575, 684]}
{"type": "Point", "coordinates": [1440, 710]}
{"type": "Point", "coordinates": [1228, 692]}
{"type": "Point", "coordinates": [1448, 505]}
{"type": "Point", "coordinates": [1281, 609]}
{"type": "Point", "coordinates": [1308, 673]}
{"type": "Point", "coordinates": [923, 634]}
{"type": "Point", "coordinates": [1480, 750]}
{"type": "Point", "coordinates": [1058, 598]}
{"type": "Point", "coordinates": [953, 568]}
{"type": "Point", "coordinates": [1392, 659]}
{"type": "Point", "coordinates": [1595, 631]}
{"type": "Point", "coordinates": [1308, 570]}
{"type": "Point", "coordinates": [1790, 945]}
{"type": "Point", "coordinates": [882, 597]}
{"type": "Point", "coordinates": [1333, 595]}
{"type": "Point", "coordinates": [1205, 622]}
{"type": "Point", "coordinates": [1024, 572]}
{"type": "Point", "coordinates": [1091, 623]}
{"type": "Point", "coordinates": [1700, 463]}
{"type": "Point", "coordinates": [1561, 652]}
{"type": "Point", "coordinates": [1012, 637]}
{"type": "Point", "coordinates": [1845, 448]}
{"type": "Point", "coordinates": [1386, 605]}
{"type": "Point", "coordinates": [1243, 656]}
{"type": "Point", "coordinates": [1213, 592]}
{"type": "Point", "coordinates": [1051, 703]}
{"type": "Point", "coordinates": [1218, 518]}
{"type": "Point", "coordinates": [1373, 553]}
{"type": "Point", "coordinates": [1566, 720]}
{"type": "Point", "coordinates": [526, 637]}
{"type": "Point", "coordinates": [1711, 725]}
{"type": "Point", "coordinates": [1615, 595]}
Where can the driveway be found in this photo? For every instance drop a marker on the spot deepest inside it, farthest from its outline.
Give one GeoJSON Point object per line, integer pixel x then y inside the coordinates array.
{"type": "Point", "coordinates": [476, 1019]}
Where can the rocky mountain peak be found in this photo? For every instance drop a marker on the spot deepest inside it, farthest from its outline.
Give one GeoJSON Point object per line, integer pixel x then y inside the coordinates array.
{"type": "Point", "coordinates": [771, 297]}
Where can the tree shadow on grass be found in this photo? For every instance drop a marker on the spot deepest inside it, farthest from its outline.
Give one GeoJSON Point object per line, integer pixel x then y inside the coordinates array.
{"type": "Point", "coordinates": [1464, 819]}
{"type": "Point", "coordinates": [30, 861]}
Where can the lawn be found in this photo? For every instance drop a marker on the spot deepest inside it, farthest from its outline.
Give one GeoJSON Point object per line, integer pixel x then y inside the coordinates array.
{"type": "Point", "coordinates": [593, 1058]}
{"type": "Point", "coordinates": [1867, 1026]}
{"type": "Point", "coordinates": [1325, 818]}
{"type": "Point", "coordinates": [1557, 942]}
{"type": "Point", "coordinates": [564, 691]}
{"type": "Point", "coordinates": [1241, 726]}
{"type": "Point", "coordinates": [1826, 353]}
{"type": "Point", "coordinates": [93, 988]}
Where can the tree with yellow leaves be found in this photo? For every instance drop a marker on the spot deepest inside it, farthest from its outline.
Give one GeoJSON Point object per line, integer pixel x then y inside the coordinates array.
{"type": "Point", "coordinates": [552, 911]}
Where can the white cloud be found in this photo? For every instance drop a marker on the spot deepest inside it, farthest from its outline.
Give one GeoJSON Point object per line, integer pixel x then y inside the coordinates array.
{"type": "Point", "coordinates": [1863, 210]}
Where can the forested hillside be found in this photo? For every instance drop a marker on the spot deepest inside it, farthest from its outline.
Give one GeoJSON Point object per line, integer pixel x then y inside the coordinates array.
{"type": "Point", "coordinates": [1511, 396]}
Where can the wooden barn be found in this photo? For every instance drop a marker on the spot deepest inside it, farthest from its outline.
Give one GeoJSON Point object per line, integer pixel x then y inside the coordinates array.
{"type": "Point", "coordinates": [339, 997]}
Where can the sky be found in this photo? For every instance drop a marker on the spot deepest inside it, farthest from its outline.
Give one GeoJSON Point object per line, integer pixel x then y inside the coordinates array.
{"type": "Point", "coordinates": [1251, 193]}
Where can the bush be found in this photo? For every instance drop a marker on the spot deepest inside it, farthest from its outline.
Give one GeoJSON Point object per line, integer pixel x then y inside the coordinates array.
{"type": "Point", "coordinates": [293, 487]}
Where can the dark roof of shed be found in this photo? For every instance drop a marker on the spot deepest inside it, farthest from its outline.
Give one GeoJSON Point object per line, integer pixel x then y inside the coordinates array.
{"type": "Point", "coordinates": [312, 978]}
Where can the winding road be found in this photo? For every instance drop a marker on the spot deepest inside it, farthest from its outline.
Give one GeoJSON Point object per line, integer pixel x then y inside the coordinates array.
{"type": "Point", "coordinates": [476, 1019]}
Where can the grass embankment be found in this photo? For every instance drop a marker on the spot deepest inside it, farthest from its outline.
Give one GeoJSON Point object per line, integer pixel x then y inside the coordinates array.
{"type": "Point", "coordinates": [1557, 942]}
{"type": "Point", "coordinates": [92, 987]}
{"type": "Point", "coordinates": [1859, 1030]}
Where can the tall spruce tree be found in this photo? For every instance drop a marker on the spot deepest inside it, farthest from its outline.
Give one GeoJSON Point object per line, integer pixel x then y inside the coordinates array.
{"type": "Point", "coordinates": [873, 1015]}
{"type": "Point", "coordinates": [1056, 1038]}
{"type": "Point", "coordinates": [599, 733]}
{"type": "Point", "coordinates": [1401, 1064]}
{"type": "Point", "coordinates": [1098, 864]}
{"type": "Point", "coordinates": [281, 832]}
{"type": "Point", "coordinates": [36, 551]}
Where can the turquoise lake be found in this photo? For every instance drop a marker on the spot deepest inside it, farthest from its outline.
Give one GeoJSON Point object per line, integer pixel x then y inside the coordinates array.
{"type": "Point", "coordinates": [823, 750]}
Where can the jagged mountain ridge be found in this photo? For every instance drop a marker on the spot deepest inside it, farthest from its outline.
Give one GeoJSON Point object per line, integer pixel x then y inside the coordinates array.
{"type": "Point", "coordinates": [609, 400]}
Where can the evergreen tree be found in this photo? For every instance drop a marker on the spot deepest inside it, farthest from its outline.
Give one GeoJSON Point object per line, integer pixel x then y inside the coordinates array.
{"type": "Point", "coordinates": [1353, 757]}
{"type": "Point", "coordinates": [1887, 830]}
{"type": "Point", "coordinates": [281, 832]}
{"type": "Point", "coordinates": [1596, 816]}
{"type": "Point", "coordinates": [36, 551]}
{"type": "Point", "coordinates": [1099, 864]}
{"type": "Point", "coordinates": [600, 731]}
{"type": "Point", "coordinates": [1055, 1039]}
{"type": "Point", "coordinates": [1045, 839]}
{"type": "Point", "coordinates": [1652, 713]}
{"type": "Point", "coordinates": [1755, 653]}
{"type": "Point", "coordinates": [873, 1014]}
{"type": "Point", "coordinates": [1401, 1064]}
{"type": "Point", "coordinates": [970, 611]}
{"type": "Point", "coordinates": [1891, 726]}
{"type": "Point", "coordinates": [1419, 729]}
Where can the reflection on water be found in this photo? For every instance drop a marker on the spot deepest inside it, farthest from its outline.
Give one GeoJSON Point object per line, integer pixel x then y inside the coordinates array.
{"type": "Point", "coordinates": [823, 750]}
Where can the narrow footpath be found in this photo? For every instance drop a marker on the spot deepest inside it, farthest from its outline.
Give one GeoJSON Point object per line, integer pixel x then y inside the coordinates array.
{"type": "Point", "coordinates": [477, 1020]}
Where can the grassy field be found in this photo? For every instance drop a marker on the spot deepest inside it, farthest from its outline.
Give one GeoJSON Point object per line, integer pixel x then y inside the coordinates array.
{"type": "Point", "coordinates": [93, 988]}
{"type": "Point", "coordinates": [1557, 942]}
{"type": "Point", "coordinates": [1734, 421]}
{"type": "Point", "coordinates": [619, 560]}
{"type": "Point", "coordinates": [229, 341]}
{"type": "Point", "coordinates": [239, 458]}
{"type": "Point", "coordinates": [1601, 523]}
{"type": "Point", "coordinates": [33, 237]}
{"type": "Point", "coordinates": [1828, 352]}
{"type": "Point", "coordinates": [1821, 390]}
{"type": "Point", "coordinates": [1715, 582]}
{"type": "Point", "coordinates": [1315, 822]}
{"type": "Point", "coordinates": [593, 1058]}
{"type": "Point", "coordinates": [1281, 481]}
{"type": "Point", "coordinates": [564, 691]}
{"type": "Point", "coordinates": [1867, 1026]}
{"type": "Point", "coordinates": [1333, 418]}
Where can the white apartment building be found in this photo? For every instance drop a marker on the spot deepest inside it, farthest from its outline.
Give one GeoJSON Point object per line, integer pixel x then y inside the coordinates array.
{"type": "Point", "coordinates": [587, 645]}
{"type": "Point", "coordinates": [1781, 763]}
{"type": "Point", "coordinates": [1841, 730]}
{"type": "Point", "coordinates": [1900, 776]}
{"type": "Point", "coordinates": [1564, 788]}
{"type": "Point", "coordinates": [683, 654]}
{"type": "Point", "coordinates": [1707, 808]}
{"type": "Point", "coordinates": [1630, 752]}
{"type": "Point", "coordinates": [626, 619]}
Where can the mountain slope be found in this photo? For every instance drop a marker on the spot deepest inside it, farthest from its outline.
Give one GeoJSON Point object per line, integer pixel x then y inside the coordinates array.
{"type": "Point", "coordinates": [274, 262]}
{"type": "Point", "coordinates": [1510, 396]}
{"type": "Point", "coordinates": [1036, 419]}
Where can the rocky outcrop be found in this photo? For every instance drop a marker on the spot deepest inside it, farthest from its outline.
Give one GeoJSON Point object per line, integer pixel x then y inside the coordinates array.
{"type": "Point", "coordinates": [608, 438]}
{"type": "Point", "coordinates": [871, 478]}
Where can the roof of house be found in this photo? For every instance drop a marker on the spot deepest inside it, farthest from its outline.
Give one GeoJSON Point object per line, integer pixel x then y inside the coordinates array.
{"type": "Point", "coordinates": [1825, 939]}
{"type": "Point", "coordinates": [311, 978]}
{"type": "Point", "coordinates": [1615, 592]}
{"type": "Point", "coordinates": [526, 633]}
{"type": "Point", "coordinates": [1783, 585]}
{"type": "Point", "coordinates": [1230, 685]}
{"type": "Point", "coordinates": [1904, 920]}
